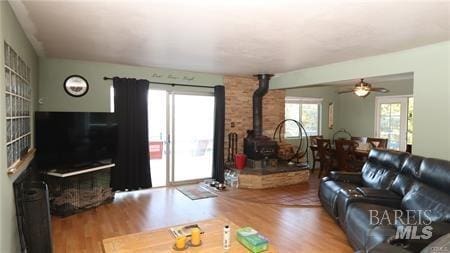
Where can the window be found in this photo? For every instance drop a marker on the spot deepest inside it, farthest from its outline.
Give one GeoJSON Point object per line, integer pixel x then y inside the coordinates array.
{"type": "Point", "coordinates": [111, 99]}
{"type": "Point", "coordinates": [18, 106]}
{"type": "Point", "coordinates": [305, 110]}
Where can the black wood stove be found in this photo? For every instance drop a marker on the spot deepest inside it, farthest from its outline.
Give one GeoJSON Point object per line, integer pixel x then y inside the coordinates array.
{"type": "Point", "coordinates": [256, 145]}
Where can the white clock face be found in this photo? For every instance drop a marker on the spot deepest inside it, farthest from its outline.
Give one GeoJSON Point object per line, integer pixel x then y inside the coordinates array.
{"type": "Point", "coordinates": [76, 86]}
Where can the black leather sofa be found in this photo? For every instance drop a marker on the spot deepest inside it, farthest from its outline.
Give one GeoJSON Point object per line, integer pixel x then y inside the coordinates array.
{"type": "Point", "coordinates": [393, 191]}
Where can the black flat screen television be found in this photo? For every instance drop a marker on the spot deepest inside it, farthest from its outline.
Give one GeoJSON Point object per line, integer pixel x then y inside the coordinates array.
{"type": "Point", "coordinates": [75, 140]}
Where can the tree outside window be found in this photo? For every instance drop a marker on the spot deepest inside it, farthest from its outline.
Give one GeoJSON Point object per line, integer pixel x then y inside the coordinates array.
{"type": "Point", "coordinates": [307, 112]}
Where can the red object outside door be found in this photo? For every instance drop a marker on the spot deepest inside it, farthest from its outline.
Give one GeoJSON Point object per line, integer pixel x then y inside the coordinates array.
{"type": "Point", "coordinates": [155, 150]}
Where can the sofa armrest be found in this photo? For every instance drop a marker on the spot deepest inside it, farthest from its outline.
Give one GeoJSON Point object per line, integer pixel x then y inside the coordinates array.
{"type": "Point", "coordinates": [378, 193]}
{"type": "Point", "coordinates": [345, 176]}
{"type": "Point", "coordinates": [394, 203]}
{"type": "Point", "coordinates": [348, 196]}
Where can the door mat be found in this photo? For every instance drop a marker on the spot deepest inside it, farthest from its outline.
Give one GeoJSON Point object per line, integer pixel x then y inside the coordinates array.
{"type": "Point", "coordinates": [195, 192]}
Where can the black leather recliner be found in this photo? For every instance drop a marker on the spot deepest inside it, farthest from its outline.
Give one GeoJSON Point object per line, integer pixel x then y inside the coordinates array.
{"type": "Point", "coordinates": [378, 172]}
{"type": "Point", "coordinates": [405, 185]}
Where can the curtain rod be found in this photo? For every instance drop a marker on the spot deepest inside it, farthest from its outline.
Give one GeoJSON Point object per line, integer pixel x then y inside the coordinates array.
{"type": "Point", "coordinates": [171, 84]}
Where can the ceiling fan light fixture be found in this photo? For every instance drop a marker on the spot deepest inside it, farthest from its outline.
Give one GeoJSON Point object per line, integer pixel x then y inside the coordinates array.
{"type": "Point", "coordinates": [362, 89]}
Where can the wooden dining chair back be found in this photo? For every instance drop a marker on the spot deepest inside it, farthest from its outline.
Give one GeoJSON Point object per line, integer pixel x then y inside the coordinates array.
{"type": "Point", "coordinates": [326, 158]}
{"type": "Point", "coordinates": [345, 155]}
{"type": "Point", "coordinates": [359, 139]}
{"type": "Point", "coordinates": [314, 151]}
{"type": "Point", "coordinates": [378, 142]}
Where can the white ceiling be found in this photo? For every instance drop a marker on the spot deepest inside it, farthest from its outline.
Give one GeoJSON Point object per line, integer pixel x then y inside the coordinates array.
{"type": "Point", "coordinates": [230, 36]}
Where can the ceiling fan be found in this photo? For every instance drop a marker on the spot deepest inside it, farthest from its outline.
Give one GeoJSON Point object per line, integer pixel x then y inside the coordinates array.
{"type": "Point", "coordinates": [362, 89]}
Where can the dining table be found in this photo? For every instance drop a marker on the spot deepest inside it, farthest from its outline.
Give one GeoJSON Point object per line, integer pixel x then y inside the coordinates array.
{"type": "Point", "coordinates": [360, 153]}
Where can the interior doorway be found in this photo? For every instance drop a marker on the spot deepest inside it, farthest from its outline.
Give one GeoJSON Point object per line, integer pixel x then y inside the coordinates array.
{"type": "Point", "coordinates": [393, 120]}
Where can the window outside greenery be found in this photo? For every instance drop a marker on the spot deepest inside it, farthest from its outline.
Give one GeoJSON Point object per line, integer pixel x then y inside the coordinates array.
{"type": "Point", "coordinates": [308, 113]}
{"type": "Point", "coordinates": [409, 135]}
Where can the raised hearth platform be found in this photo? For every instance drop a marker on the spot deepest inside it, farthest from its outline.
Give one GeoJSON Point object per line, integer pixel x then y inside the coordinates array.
{"type": "Point", "coordinates": [263, 178]}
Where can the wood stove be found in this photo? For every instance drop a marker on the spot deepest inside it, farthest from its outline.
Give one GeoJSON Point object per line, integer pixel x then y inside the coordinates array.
{"type": "Point", "coordinates": [256, 145]}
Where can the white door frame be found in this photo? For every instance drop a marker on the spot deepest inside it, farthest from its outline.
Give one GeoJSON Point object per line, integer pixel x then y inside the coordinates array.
{"type": "Point", "coordinates": [403, 100]}
{"type": "Point", "coordinates": [171, 129]}
{"type": "Point", "coordinates": [170, 134]}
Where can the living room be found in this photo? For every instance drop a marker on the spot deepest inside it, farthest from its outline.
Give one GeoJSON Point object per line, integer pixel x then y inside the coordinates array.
{"type": "Point", "coordinates": [205, 74]}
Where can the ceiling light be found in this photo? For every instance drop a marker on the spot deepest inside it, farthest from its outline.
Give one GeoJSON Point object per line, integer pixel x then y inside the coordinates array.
{"type": "Point", "coordinates": [362, 89]}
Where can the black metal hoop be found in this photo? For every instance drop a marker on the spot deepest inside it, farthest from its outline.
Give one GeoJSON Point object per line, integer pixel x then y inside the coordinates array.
{"type": "Point", "coordinates": [301, 130]}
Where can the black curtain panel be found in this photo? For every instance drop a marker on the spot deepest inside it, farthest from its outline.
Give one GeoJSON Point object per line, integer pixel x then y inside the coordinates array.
{"type": "Point", "coordinates": [219, 133]}
{"type": "Point", "coordinates": [132, 170]}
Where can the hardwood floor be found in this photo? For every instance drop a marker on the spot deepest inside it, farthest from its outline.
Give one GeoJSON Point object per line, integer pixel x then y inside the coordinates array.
{"type": "Point", "coordinates": [290, 229]}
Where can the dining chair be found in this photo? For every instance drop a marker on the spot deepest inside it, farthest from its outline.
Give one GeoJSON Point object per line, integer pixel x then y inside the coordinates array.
{"type": "Point", "coordinates": [359, 139]}
{"type": "Point", "coordinates": [314, 151]}
{"type": "Point", "coordinates": [378, 142]}
{"type": "Point", "coordinates": [326, 157]}
{"type": "Point", "coordinates": [341, 134]}
{"type": "Point", "coordinates": [345, 155]}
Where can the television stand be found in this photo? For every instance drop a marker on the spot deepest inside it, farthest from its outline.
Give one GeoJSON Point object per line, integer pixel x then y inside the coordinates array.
{"type": "Point", "coordinates": [73, 191]}
{"type": "Point", "coordinates": [78, 171]}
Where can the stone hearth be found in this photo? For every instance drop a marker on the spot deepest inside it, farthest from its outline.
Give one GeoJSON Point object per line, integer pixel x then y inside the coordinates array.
{"type": "Point", "coordinates": [270, 177]}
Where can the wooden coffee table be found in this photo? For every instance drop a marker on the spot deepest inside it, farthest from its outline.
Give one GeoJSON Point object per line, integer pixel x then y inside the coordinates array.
{"type": "Point", "coordinates": [161, 240]}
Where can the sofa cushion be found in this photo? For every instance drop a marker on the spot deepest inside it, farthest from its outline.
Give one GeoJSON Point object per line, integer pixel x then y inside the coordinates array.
{"type": "Point", "coordinates": [408, 172]}
{"type": "Point", "coordinates": [381, 168]}
{"type": "Point", "coordinates": [436, 173]}
{"type": "Point", "coordinates": [422, 197]}
{"type": "Point", "coordinates": [430, 191]}
{"type": "Point", "coordinates": [389, 158]}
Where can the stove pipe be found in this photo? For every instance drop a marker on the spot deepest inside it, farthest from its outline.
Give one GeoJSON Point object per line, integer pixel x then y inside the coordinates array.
{"type": "Point", "coordinates": [257, 102]}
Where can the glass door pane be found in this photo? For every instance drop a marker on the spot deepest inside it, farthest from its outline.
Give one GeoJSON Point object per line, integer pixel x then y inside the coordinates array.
{"type": "Point", "coordinates": [193, 128]}
{"type": "Point", "coordinates": [391, 121]}
{"type": "Point", "coordinates": [157, 134]}
{"type": "Point", "coordinates": [409, 137]}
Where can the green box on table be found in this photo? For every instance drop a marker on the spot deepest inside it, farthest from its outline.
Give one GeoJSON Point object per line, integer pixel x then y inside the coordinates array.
{"type": "Point", "coordinates": [252, 240]}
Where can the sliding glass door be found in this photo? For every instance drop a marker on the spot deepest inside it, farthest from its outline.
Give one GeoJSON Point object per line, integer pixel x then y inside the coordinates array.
{"type": "Point", "coordinates": [180, 136]}
{"type": "Point", "coordinates": [192, 128]}
{"type": "Point", "coordinates": [158, 136]}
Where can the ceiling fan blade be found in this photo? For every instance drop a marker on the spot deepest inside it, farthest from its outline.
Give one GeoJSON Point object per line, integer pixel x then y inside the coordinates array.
{"type": "Point", "coordinates": [382, 90]}
{"type": "Point", "coordinates": [344, 91]}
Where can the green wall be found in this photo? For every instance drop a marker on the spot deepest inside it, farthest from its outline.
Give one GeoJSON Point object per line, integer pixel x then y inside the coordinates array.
{"type": "Point", "coordinates": [357, 115]}
{"type": "Point", "coordinates": [329, 95]}
{"type": "Point", "coordinates": [53, 72]}
{"type": "Point", "coordinates": [431, 68]}
{"type": "Point", "coordinates": [12, 33]}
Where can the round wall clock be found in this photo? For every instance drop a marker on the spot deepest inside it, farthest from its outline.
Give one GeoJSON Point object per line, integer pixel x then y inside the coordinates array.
{"type": "Point", "coordinates": [76, 86]}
